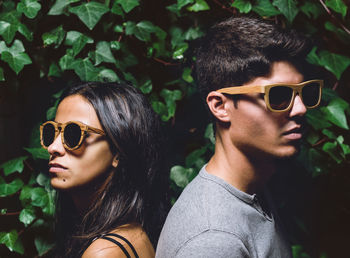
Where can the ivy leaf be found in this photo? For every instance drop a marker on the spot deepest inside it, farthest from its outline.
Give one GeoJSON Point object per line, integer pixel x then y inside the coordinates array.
{"type": "Point", "coordinates": [11, 188]}
{"type": "Point", "coordinates": [337, 6]}
{"type": "Point", "coordinates": [332, 150]}
{"type": "Point", "coordinates": [146, 87]}
{"type": "Point", "coordinates": [209, 133]}
{"type": "Point", "coordinates": [67, 61]}
{"type": "Point", "coordinates": [334, 62]}
{"type": "Point", "coordinates": [43, 180]}
{"type": "Point", "coordinates": [244, 6]}
{"type": "Point", "coordinates": [49, 208]}
{"type": "Point", "coordinates": [170, 98]}
{"type": "Point", "coordinates": [12, 241]}
{"type": "Point", "coordinates": [339, 32]}
{"type": "Point", "coordinates": [104, 53]}
{"type": "Point", "coordinates": [54, 70]}
{"type": "Point", "coordinates": [26, 195]}
{"type": "Point", "coordinates": [182, 3]}
{"type": "Point", "coordinates": [316, 119]}
{"type": "Point", "coordinates": [195, 158]}
{"type": "Point", "coordinates": [25, 32]}
{"type": "Point", "coordinates": [30, 8]}
{"type": "Point", "coordinates": [181, 176]}
{"type": "Point", "coordinates": [89, 13]}
{"type": "Point", "coordinates": [2, 77]}
{"type": "Point", "coordinates": [56, 36]}
{"type": "Point", "coordinates": [193, 33]}
{"type": "Point", "coordinates": [9, 23]}
{"type": "Point", "coordinates": [17, 47]}
{"type": "Point", "coordinates": [13, 165]}
{"type": "Point", "coordinates": [143, 29]}
{"type": "Point", "coordinates": [16, 60]}
{"type": "Point", "coordinates": [200, 5]}
{"type": "Point", "coordinates": [174, 9]}
{"type": "Point", "coordinates": [85, 70]}
{"type": "Point", "coordinates": [115, 45]}
{"type": "Point", "coordinates": [77, 40]}
{"type": "Point", "coordinates": [59, 6]}
{"type": "Point", "coordinates": [288, 8]}
{"type": "Point", "coordinates": [177, 37]}
{"type": "Point", "coordinates": [186, 75]}
{"type": "Point", "coordinates": [329, 134]}
{"type": "Point", "coordinates": [108, 75]}
{"type": "Point", "coordinates": [345, 147]}
{"type": "Point", "coordinates": [9, 239]}
{"type": "Point", "coordinates": [312, 137]}
{"type": "Point", "coordinates": [128, 5]}
{"type": "Point", "coordinates": [335, 112]}
{"type": "Point", "coordinates": [160, 108]}
{"type": "Point", "coordinates": [116, 9]}
{"type": "Point", "coordinates": [180, 50]}
{"type": "Point", "coordinates": [265, 8]}
{"type": "Point", "coordinates": [7, 31]}
{"type": "Point", "coordinates": [38, 153]}
{"type": "Point", "coordinates": [27, 216]}
{"type": "Point", "coordinates": [39, 197]}
{"type": "Point", "coordinates": [311, 9]}
{"type": "Point", "coordinates": [42, 245]}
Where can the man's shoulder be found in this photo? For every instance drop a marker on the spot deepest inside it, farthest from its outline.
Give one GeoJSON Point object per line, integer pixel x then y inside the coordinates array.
{"type": "Point", "coordinates": [208, 197]}
{"type": "Point", "coordinates": [204, 206]}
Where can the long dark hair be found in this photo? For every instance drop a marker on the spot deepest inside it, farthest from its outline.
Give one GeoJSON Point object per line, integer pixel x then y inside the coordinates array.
{"type": "Point", "coordinates": [136, 192]}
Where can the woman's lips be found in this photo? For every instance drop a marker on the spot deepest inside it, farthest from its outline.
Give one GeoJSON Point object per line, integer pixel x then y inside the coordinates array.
{"type": "Point", "coordinates": [56, 168]}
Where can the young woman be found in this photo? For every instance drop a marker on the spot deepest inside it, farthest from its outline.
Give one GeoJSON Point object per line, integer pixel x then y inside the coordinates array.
{"type": "Point", "coordinates": [104, 163]}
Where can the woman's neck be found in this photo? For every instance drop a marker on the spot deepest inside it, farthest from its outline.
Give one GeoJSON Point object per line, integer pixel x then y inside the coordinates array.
{"type": "Point", "coordinates": [84, 197]}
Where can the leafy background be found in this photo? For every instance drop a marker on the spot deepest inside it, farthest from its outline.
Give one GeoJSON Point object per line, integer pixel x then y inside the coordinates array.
{"type": "Point", "coordinates": [48, 45]}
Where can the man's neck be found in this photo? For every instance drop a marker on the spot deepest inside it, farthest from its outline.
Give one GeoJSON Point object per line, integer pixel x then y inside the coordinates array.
{"type": "Point", "coordinates": [238, 169]}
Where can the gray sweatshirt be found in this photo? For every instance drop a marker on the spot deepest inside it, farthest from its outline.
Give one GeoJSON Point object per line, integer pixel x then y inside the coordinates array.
{"type": "Point", "coordinates": [212, 218]}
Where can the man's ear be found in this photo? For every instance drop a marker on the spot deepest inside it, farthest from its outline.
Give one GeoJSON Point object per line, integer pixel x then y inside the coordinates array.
{"type": "Point", "coordinates": [218, 105]}
{"type": "Point", "coordinates": [115, 161]}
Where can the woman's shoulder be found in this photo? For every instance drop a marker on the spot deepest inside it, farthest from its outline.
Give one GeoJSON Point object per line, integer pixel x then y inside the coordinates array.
{"type": "Point", "coordinates": [130, 238]}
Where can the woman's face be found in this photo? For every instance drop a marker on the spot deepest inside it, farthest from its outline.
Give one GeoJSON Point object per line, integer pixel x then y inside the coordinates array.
{"type": "Point", "coordinates": [90, 163]}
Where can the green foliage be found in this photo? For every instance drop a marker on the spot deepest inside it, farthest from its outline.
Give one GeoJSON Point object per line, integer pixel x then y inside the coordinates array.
{"type": "Point", "coordinates": [89, 13]}
{"type": "Point", "coordinates": [150, 44]}
{"type": "Point", "coordinates": [14, 165]}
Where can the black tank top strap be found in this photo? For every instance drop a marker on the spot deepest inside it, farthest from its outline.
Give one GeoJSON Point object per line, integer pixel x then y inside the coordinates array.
{"type": "Point", "coordinates": [125, 240]}
{"type": "Point", "coordinates": [118, 244]}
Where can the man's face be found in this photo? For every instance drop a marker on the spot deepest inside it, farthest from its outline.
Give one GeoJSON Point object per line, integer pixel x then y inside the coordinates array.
{"type": "Point", "coordinates": [260, 133]}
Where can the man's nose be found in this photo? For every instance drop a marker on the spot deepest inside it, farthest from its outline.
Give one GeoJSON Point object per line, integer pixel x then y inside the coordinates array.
{"type": "Point", "coordinates": [298, 108]}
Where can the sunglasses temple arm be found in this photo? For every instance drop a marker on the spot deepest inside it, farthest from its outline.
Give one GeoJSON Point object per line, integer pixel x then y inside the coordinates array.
{"type": "Point", "coordinates": [242, 90]}
{"type": "Point", "coordinates": [95, 130]}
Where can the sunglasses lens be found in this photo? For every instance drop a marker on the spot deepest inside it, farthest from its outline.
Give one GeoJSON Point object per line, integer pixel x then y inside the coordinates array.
{"type": "Point", "coordinates": [72, 134]}
{"type": "Point", "coordinates": [48, 134]}
{"type": "Point", "coordinates": [280, 97]}
{"type": "Point", "coordinates": [311, 94]}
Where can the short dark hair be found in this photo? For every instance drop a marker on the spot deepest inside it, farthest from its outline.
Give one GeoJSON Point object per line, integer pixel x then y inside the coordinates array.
{"type": "Point", "coordinates": [137, 189]}
{"type": "Point", "coordinates": [239, 49]}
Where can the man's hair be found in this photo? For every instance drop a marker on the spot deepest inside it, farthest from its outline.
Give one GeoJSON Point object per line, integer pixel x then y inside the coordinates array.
{"type": "Point", "coordinates": [239, 49]}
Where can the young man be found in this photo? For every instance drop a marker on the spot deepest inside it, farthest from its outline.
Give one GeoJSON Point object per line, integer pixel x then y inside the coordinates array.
{"type": "Point", "coordinates": [252, 75]}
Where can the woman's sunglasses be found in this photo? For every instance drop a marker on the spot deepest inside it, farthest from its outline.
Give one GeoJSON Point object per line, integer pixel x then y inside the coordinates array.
{"type": "Point", "coordinates": [73, 133]}
{"type": "Point", "coordinates": [280, 97]}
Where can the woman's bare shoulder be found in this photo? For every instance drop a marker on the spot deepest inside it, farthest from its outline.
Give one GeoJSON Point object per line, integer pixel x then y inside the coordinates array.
{"type": "Point", "coordinates": [133, 233]}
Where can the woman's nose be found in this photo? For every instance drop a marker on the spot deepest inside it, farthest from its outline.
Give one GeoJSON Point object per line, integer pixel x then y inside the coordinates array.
{"type": "Point", "coordinates": [56, 147]}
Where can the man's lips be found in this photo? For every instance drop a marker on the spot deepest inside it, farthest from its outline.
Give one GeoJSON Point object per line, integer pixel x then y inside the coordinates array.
{"type": "Point", "coordinates": [56, 168]}
{"type": "Point", "coordinates": [294, 133]}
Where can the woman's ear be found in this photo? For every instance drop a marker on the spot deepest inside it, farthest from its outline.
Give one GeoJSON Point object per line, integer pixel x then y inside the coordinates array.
{"type": "Point", "coordinates": [115, 161]}
{"type": "Point", "coordinates": [218, 105]}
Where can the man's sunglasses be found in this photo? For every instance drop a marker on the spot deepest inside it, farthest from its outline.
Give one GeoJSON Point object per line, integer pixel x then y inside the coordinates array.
{"type": "Point", "coordinates": [73, 133]}
{"type": "Point", "coordinates": [280, 97]}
